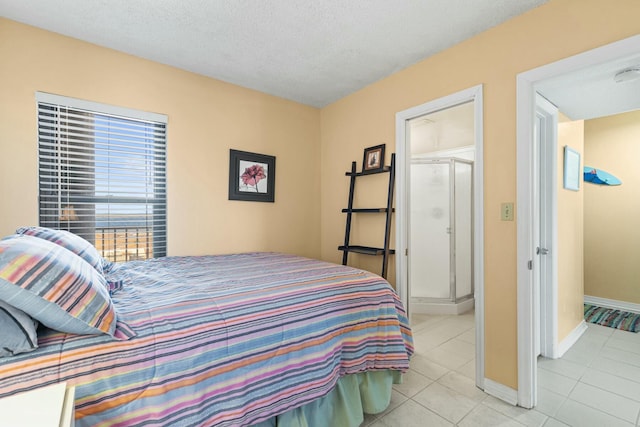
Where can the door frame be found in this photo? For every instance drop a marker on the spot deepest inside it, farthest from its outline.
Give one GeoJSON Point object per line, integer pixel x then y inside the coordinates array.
{"type": "Point", "coordinates": [525, 115]}
{"type": "Point", "coordinates": [402, 212]}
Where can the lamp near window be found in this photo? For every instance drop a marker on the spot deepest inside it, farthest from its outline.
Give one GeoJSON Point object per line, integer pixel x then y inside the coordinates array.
{"type": "Point", "coordinates": [68, 213]}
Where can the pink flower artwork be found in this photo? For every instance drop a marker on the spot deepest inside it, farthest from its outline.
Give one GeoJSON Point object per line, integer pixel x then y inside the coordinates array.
{"type": "Point", "coordinates": [253, 175]}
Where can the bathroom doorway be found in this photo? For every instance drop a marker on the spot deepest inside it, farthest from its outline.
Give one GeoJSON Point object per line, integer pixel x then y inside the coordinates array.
{"type": "Point", "coordinates": [440, 142]}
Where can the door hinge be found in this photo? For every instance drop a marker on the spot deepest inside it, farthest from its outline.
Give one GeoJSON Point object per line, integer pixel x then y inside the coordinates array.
{"type": "Point", "coordinates": [406, 252]}
{"type": "Point", "coordinates": [530, 264]}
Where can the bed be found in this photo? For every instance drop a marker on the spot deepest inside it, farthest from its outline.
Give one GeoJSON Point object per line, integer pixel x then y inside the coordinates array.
{"type": "Point", "coordinates": [230, 340]}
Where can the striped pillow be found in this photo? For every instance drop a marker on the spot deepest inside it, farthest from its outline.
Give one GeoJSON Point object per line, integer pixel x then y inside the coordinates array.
{"type": "Point", "coordinates": [67, 240]}
{"type": "Point", "coordinates": [18, 331]}
{"type": "Point", "coordinates": [54, 286]}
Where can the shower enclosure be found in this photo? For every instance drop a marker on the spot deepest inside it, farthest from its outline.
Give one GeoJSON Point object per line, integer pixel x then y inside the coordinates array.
{"type": "Point", "coordinates": [441, 237]}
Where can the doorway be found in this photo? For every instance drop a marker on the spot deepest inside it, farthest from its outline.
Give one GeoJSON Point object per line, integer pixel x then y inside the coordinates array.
{"type": "Point", "coordinates": [527, 85]}
{"type": "Point", "coordinates": [473, 97]}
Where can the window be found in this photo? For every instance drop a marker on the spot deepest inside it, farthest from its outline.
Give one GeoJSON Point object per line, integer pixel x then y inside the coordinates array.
{"type": "Point", "coordinates": [102, 175]}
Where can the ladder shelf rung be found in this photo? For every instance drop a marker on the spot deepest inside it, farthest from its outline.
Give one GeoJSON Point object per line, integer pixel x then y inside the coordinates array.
{"type": "Point", "coordinates": [365, 250]}
{"type": "Point", "coordinates": [366, 210]}
{"type": "Point", "coordinates": [384, 170]}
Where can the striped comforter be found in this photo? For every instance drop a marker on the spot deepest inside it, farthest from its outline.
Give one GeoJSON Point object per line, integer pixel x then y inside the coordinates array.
{"type": "Point", "coordinates": [224, 340]}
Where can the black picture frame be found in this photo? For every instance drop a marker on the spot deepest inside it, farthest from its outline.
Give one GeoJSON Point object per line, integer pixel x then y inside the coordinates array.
{"type": "Point", "coordinates": [373, 160]}
{"type": "Point", "coordinates": [252, 176]}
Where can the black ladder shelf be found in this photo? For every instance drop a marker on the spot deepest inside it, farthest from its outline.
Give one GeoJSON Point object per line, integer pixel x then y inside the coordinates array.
{"type": "Point", "coordinates": [350, 210]}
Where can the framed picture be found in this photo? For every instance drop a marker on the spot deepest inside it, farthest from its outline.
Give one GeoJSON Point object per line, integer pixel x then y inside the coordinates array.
{"type": "Point", "coordinates": [571, 169]}
{"type": "Point", "coordinates": [373, 159]}
{"type": "Point", "coordinates": [252, 176]}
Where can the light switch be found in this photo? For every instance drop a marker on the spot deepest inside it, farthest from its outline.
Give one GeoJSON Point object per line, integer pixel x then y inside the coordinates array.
{"type": "Point", "coordinates": [506, 212]}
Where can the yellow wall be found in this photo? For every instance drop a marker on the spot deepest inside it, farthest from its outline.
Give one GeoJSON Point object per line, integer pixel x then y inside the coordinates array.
{"type": "Point", "coordinates": [206, 118]}
{"type": "Point", "coordinates": [570, 235]}
{"type": "Point", "coordinates": [612, 214]}
{"type": "Point", "coordinates": [493, 58]}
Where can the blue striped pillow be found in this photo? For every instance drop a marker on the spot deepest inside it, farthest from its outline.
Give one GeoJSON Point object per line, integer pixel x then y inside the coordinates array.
{"type": "Point", "coordinates": [18, 331]}
{"type": "Point", "coordinates": [67, 240]}
{"type": "Point", "coordinates": [54, 286]}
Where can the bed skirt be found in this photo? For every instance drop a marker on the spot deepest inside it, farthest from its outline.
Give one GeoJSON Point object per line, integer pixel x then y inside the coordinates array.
{"type": "Point", "coordinates": [345, 406]}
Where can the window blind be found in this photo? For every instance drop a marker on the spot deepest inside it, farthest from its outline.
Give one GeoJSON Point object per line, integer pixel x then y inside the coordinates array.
{"type": "Point", "coordinates": [102, 176]}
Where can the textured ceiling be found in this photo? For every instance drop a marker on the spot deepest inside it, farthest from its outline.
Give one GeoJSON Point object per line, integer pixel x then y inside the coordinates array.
{"type": "Point", "coordinates": [313, 52]}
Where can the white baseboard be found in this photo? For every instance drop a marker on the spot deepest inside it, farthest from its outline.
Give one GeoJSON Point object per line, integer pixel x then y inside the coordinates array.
{"type": "Point", "coordinates": [571, 339]}
{"type": "Point", "coordinates": [501, 391]}
{"type": "Point", "coordinates": [421, 307]}
{"type": "Point", "coordinates": [612, 303]}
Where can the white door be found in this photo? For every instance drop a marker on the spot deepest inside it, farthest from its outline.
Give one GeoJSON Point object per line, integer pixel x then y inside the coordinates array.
{"type": "Point", "coordinates": [544, 200]}
{"type": "Point", "coordinates": [535, 216]}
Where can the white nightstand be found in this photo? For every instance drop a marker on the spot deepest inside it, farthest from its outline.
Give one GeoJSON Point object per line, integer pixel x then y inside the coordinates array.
{"type": "Point", "coordinates": [50, 406]}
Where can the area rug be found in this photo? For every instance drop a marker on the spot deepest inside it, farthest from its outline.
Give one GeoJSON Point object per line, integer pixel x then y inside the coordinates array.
{"type": "Point", "coordinates": [622, 320]}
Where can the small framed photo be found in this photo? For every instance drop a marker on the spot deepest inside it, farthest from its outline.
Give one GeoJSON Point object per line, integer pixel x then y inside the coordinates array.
{"type": "Point", "coordinates": [373, 159]}
{"type": "Point", "coordinates": [571, 169]}
{"type": "Point", "coordinates": [252, 176]}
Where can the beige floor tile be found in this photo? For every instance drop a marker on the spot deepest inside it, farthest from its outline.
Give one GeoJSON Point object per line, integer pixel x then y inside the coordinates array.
{"type": "Point", "coordinates": [427, 367]}
{"type": "Point", "coordinates": [612, 383]}
{"type": "Point", "coordinates": [625, 342]}
{"type": "Point", "coordinates": [463, 385]}
{"type": "Point", "coordinates": [468, 369]}
{"type": "Point", "coordinates": [528, 417]}
{"type": "Point", "coordinates": [586, 349]}
{"type": "Point", "coordinates": [460, 348]}
{"type": "Point", "coordinates": [469, 336]}
{"type": "Point", "coordinates": [483, 416]}
{"type": "Point", "coordinates": [562, 367]}
{"type": "Point", "coordinates": [576, 414]}
{"type": "Point", "coordinates": [605, 401]}
{"type": "Point", "coordinates": [551, 422]}
{"type": "Point", "coordinates": [619, 368]}
{"type": "Point", "coordinates": [449, 359]}
{"type": "Point", "coordinates": [556, 382]}
{"type": "Point", "coordinates": [581, 356]}
{"type": "Point", "coordinates": [412, 383]}
{"type": "Point", "coordinates": [549, 402]}
{"type": "Point", "coordinates": [428, 340]}
{"type": "Point", "coordinates": [625, 335]}
{"type": "Point", "coordinates": [618, 355]}
{"type": "Point", "coordinates": [445, 402]}
{"type": "Point", "coordinates": [593, 329]}
{"type": "Point", "coordinates": [411, 414]}
{"type": "Point", "coordinates": [420, 322]}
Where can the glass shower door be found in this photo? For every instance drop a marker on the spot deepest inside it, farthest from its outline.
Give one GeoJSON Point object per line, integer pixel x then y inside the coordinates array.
{"type": "Point", "coordinates": [463, 202]}
{"type": "Point", "coordinates": [429, 242]}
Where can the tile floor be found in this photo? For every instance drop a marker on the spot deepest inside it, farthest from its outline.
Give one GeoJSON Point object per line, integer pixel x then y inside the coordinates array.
{"type": "Point", "coordinates": [596, 383]}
